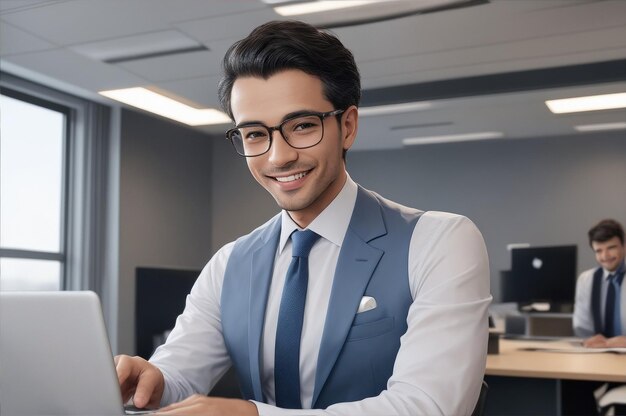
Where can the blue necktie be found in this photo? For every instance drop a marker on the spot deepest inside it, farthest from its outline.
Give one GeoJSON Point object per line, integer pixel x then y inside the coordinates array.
{"type": "Point", "coordinates": [290, 317]}
{"type": "Point", "coordinates": [612, 311]}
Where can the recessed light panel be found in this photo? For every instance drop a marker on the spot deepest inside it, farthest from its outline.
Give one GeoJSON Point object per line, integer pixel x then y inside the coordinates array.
{"type": "Point", "coordinates": [164, 106]}
{"type": "Point", "coordinates": [380, 110]}
{"type": "Point", "coordinates": [588, 103]}
{"type": "Point", "coordinates": [453, 138]}
{"type": "Point", "coordinates": [600, 127]}
{"type": "Point", "coordinates": [317, 7]}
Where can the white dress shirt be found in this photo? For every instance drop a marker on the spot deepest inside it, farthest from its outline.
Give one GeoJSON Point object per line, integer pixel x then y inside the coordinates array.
{"type": "Point", "coordinates": [441, 361]}
{"type": "Point", "coordinates": [583, 315]}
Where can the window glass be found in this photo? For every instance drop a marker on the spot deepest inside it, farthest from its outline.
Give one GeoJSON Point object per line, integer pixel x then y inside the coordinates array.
{"type": "Point", "coordinates": [31, 175]}
{"type": "Point", "coordinates": [27, 274]}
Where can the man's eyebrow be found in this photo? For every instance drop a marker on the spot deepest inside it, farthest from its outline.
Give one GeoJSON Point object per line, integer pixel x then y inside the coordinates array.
{"type": "Point", "coordinates": [299, 113]}
{"type": "Point", "coordinates": [285, 117]}
{"type": "Point", "coordinates": [250, 123]}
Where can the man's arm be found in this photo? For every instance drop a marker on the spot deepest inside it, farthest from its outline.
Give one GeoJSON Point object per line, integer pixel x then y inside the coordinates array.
{"type": "Point", "coordinates": [194, 357]}
{"type": "Point", "coordinates": [583, 316]}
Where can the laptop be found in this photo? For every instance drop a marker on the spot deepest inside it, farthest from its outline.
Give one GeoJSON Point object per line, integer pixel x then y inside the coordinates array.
{"type": "Point", "coordinates": [55, 357]}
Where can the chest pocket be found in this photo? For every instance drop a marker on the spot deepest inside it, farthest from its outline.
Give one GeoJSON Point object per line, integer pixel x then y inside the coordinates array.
{"type": "Point", "coordinates": [370, 329]}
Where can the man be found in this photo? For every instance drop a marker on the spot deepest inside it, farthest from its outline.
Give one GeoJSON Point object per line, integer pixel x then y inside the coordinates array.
{"type": "Point", "coordinates": [600, 308]}
{"type": "Point", "coordinates": [395, 316]}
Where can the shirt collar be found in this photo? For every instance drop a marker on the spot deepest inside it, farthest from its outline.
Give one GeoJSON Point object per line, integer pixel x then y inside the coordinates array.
{"type": "Point", "coordinates": [331, 223]}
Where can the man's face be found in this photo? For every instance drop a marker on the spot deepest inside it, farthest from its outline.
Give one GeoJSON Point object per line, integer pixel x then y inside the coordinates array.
{"type": "Point", "coordinates": [609, 254]}
{"type": "Point", "coordinates": [302, 181]}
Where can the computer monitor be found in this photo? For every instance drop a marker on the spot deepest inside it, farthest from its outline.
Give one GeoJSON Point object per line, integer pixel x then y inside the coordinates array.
{"type": "Point", "coordinates": [542, 274]}
{"type": "Point", "coordinates": [160, 297]}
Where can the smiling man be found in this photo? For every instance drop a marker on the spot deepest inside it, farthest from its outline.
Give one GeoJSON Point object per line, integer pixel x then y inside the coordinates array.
{"type": "Point", "coordinates": [600, 308]}
{"type": "Point", "coordinates": [344, 303]}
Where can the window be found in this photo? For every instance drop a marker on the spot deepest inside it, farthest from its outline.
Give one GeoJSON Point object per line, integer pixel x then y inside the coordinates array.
{"type": "Point", "coordinates": [32, 192]}
{"type": "Point", "coordinates": [59, 192]}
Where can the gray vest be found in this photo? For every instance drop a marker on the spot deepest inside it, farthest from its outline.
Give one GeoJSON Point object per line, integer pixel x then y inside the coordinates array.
{"type": "Point", "coordinates": [357, 351]}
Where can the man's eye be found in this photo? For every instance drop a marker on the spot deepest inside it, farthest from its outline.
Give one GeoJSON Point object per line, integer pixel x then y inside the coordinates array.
{"type": "Point", "coordinates": [255, 135]}
{"type": "Point", "coordinates": [304, 126]}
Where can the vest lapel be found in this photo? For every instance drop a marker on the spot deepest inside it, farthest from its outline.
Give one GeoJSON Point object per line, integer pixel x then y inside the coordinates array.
{"type": "Point", "coordinates": [356, 264]}
{"type": "Point", "coordinates": [260, 277]}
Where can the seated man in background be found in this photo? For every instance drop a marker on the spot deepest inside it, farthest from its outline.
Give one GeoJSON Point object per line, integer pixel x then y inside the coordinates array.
{"type": "Point", "coordinates": [600, 308]}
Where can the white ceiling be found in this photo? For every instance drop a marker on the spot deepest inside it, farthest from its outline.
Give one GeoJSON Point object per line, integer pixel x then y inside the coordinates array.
{"type": "Point", "coordinates": [63, 43]}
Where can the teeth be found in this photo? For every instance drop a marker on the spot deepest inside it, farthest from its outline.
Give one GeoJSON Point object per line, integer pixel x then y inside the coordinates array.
{"type": "Point", "coordinates": [291, 178]}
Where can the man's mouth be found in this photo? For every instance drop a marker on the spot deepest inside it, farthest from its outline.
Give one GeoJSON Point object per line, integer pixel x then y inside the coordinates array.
{"type": "Point", "coordinates": [291, 178]}
{"type": "Point", "coordinates": [608, 264]}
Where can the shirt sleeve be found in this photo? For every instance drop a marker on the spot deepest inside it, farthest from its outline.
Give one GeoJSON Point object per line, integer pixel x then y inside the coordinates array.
{"type": "Point", "coordinates": [583, 316]}
{"type": "Point", "coordinates": [194, 356]}
{"type": "Point", "coordinates": [441, 361]}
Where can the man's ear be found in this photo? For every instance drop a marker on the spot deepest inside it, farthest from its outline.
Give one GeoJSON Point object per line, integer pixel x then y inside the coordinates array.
{"type": "Point", "coordinates": [349, 126]}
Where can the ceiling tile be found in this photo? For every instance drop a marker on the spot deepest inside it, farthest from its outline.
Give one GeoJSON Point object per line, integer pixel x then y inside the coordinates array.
{"type": "Point", "coordinates": [202, 91]}
{"type": "Point", "coordinates": [16, 41]}
{"type": "Point", "coordinates": [71, 22]}
{"type": "Point", "coordinates": [88, 74]}
{"type": "Point", "coordinates": [232, 26]}
{"type": "Point", "coordinates": [173, 67]}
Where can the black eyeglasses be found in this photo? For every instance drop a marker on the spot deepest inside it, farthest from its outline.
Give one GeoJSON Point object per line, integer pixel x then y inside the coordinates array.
{"type": "Point", "coordinates": [300, 132]}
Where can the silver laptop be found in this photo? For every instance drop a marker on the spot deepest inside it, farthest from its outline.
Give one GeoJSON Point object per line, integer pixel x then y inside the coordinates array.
{"type": "Point", "coordinates": [55, 357]}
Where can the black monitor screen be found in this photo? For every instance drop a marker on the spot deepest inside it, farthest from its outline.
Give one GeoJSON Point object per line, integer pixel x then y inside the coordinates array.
{"type": "Point", "coordinates": [545, 274]}
{"type": "Point", "coordinates": [160, 297]}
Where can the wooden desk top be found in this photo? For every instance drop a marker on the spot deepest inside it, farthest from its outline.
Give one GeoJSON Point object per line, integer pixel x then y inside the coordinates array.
{"type": "Point", "coordinates": [513, 362]}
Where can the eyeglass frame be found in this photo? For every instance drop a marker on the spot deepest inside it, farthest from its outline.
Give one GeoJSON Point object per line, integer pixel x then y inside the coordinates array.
{"type": "Point", "coordinates": [279, 128]}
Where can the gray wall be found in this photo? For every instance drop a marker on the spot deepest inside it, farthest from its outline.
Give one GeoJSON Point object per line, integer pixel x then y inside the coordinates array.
{"type": "Point", "coordinates": [540, 191]}
{"type": "Point", "coordinates": [239, 203]}
{"type": "Point", "coordinates": [165, 205]}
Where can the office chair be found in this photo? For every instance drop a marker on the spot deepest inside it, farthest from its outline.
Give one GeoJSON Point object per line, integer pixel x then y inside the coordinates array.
{"type": "Point", "coordinates": [611, 401]}
{"type": "Point", "coordinates": [228, 386]}
{"type": "Point", "coordinates": [479, 410]}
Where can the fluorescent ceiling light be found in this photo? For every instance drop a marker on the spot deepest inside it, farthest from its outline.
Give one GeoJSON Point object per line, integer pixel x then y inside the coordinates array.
{"type": "Point", "coordinates": [167, 107]}
{"type": "Point", "coordinates": [324, 13]}
{"type": "Point", "coordinates": [600, 126]}
{"type": "Point", "coordinates": [589, 103]}
{"type": "Point", "coordinates": [318, 6]}
{"type": "Point", "coordinates": [380, 110]}
{"type": "Point", "coordinates": [453, 138]}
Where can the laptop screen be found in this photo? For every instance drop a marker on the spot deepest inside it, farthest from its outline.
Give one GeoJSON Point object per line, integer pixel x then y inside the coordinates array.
{"type": "Point", "coordinates": [55, 357]}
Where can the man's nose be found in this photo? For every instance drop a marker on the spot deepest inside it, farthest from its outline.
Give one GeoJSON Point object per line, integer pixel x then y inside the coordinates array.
{"type": "Point", "coordinates": [281, 153]}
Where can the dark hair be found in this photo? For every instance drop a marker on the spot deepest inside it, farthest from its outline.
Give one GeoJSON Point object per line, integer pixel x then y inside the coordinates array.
{"type": "Point", "coordinates": [605, 230]}
{"type": "Point", "coordinates": [280, 45]}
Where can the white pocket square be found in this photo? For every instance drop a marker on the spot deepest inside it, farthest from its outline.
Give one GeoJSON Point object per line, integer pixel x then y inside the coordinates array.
{"type": "Point", "coordinates": [367, 304]}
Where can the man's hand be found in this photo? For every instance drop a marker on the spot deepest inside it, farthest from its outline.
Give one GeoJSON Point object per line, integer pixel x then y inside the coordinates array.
{"type": "Point", "coordinates": [616, 342]}
{"type": "Point", "coordinates": [141, 380]}
{"type": "Point", "coordinates": [210, 406]}
{"type": "Point", "coordinates": [600, 341]}
{"type": "Point", "coordinates": [596, 341]}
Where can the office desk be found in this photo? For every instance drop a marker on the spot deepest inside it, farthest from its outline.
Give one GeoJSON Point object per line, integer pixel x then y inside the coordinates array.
{"type": "Point", "coordinates": [513, 362]}
{"type": "Point", "coordinates": [535, 382]}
